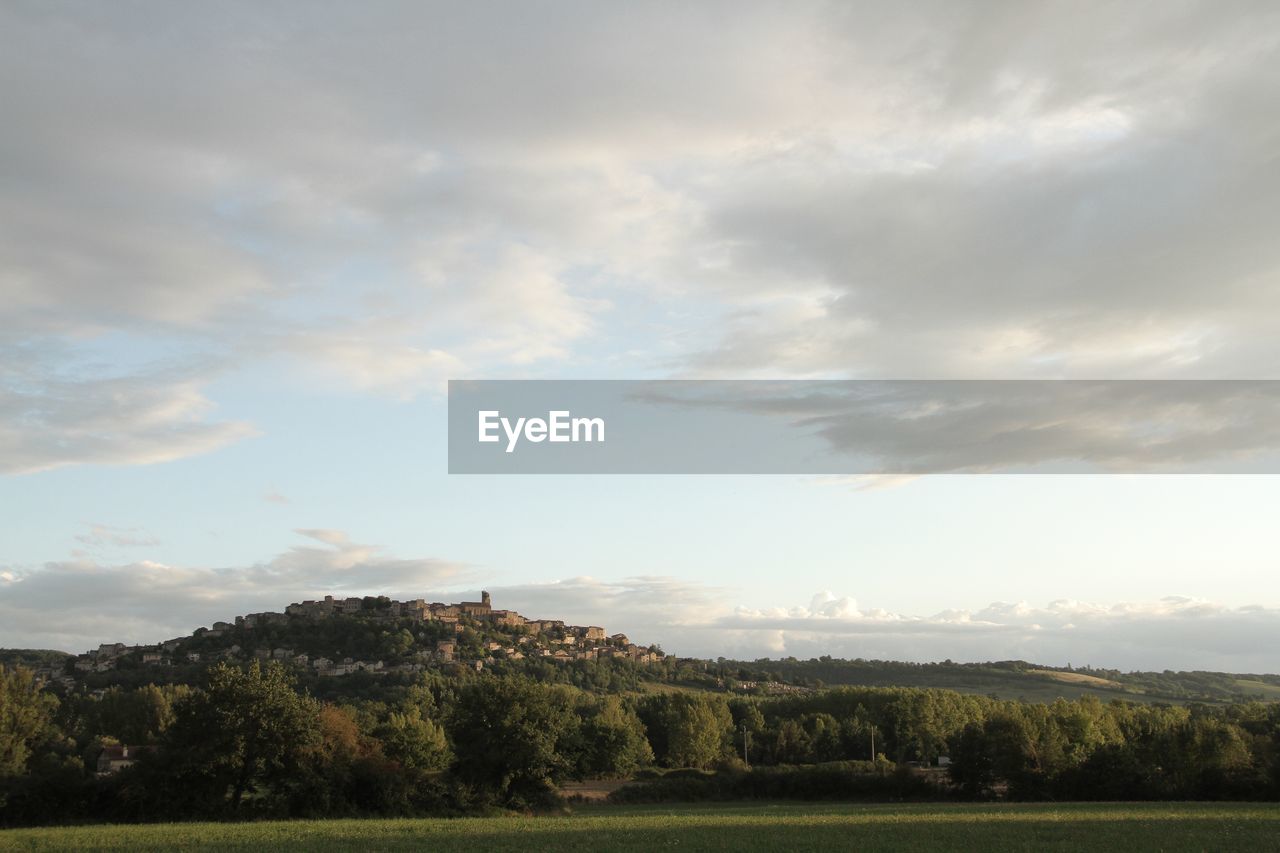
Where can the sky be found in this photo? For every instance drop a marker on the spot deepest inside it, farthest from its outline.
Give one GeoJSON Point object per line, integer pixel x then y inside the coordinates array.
{"type": "Point", "coordinates": [244, 246]}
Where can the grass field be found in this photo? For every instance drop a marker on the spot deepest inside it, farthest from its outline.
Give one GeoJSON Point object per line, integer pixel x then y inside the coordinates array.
{"type": "Point", "coordinates": [1079, 678]}
{"type": "Point", "coordinates": [1111, 826]}
{"type": "Point", "coordinates": [1269, 691]}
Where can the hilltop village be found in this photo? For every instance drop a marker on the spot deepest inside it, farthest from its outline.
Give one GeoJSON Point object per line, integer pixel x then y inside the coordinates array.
{"type": "Point", "coordinates": [334, 637]}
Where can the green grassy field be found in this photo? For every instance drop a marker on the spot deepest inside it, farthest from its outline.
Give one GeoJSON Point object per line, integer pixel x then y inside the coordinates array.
{"type": "Point", "coordinates": [1111, 826]}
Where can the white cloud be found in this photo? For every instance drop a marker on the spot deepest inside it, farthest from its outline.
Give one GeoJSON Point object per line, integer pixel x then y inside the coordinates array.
{"type": "Point", "coordinates": [396, 194]}
{"type": "Point", "coordinates": [1170, 633]}
{"type": "Point", "coordinates": [47, 421]}
{"type": "Point", "coordinates": [933, 190]}
{"type": "Point", "coordinates": [647, 607]}
{"type": "Point", "coordinates": [692, 619]}
{"type": "Point", "coordinates": [363, 362]}
{"type": "Point", "coordinates": [76, 604]}
{"type": "Point", "coordinates": [100, 535]}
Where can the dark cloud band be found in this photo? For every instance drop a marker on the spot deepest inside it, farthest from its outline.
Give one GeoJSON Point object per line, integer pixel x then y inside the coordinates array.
{"type": "Point", "coordinates": [864, 427]}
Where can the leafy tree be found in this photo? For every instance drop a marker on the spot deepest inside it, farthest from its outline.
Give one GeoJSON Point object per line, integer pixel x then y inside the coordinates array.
{"type": "Point", "coordinates": [824, 733]}
{"type": "Point", "coordinates": [508, 737]}
{"type": "Point", "coordinates": [26, 714]}
{"type": "Point", "coordinates": [134, 716]}
{"type": "Point", "coordinates": [413, 740]}
{"type": "Point", "coordinates": [613, 737]}
{"type": "Point", "coordinates": [40, 772]}
{"type": "Point", "coordinates": [971, 765]}
{"type": "Point", "coordinates": [698, 729]}
{"type": "Point", "coordinates": [859, 734]}
{"type": "Point", "coordinates": [1011, 743]}
{"type": "Point", "coordinates": [792, 744]}
{"type": "Point", "coordinates": [245, 733]}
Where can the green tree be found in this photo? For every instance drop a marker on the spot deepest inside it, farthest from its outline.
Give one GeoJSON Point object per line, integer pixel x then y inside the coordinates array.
{"type": "Point", "coordinates": [613, 737]}
{"type": "Point", "coordinates": [699, 730]}
{"type": "Point", "coordinates": [971, 765]}
{"type": "Point", "coordinates": [413, 740]}
{"type": "Point", "coordinates": [26, 715]}
{"type": "Point", "coordinates": [824, 731]}
{"type": "Point", "coordinates": [859, 733]}
{"type": "Point", "coordinates": [748, 723]}
{"type": "Point", "coordinates": [792, 744]}
{"type": "Point", "coordinates": [1015, 750]}
{"type": "Point", "coordinates": [134, 716]}
{"type": "Point", "coordinates": [510, 737]}
{"type": "Point", "coordinates": [246, 733]}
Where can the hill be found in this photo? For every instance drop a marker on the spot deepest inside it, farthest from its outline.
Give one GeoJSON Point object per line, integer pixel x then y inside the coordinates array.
{"type": "Point", "coordinates": [375, 707]}
{"type": "Point", "coordinates": [34, 658]}
{"type": "Point", "coordinates": [352, 645]}
{"type": "Point", "coordinates": [1009, 680]}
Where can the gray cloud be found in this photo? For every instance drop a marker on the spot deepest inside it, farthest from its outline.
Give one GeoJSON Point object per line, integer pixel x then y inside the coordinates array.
{"type": "Point", "coordinates": [1072, 206]}
{"type": "Point", "coordinates": [923, 427]}
{"type": "Point", "coordinates": [79, 603]}
{"type": "Point", "coordinates": [403, 192]}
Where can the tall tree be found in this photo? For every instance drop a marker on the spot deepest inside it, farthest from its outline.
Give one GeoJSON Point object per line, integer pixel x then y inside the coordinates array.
{"type": "Point", "coordinates": [699, 730]}
{"type": "Point", "coordinates": [246, 733]}
{"type": "Point", "coordinates": [413, 740]}
{"type": "Point", "coordinates": [614, 742]}
{"type": "Point", "coordinates": [26, 713]}
{"type": "Point", "coordinates": [511, 739]}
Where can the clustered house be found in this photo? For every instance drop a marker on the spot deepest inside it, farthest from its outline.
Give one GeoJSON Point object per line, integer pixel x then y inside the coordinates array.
{"type": "Point", "coordinates": [507, 634]}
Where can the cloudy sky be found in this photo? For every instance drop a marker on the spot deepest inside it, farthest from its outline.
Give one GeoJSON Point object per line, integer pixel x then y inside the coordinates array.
{"type": "Point", "coordinates": [243, 246]}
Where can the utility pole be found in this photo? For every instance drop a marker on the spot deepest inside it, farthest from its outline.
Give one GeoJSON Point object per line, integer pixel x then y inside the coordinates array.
{"type": "Point", "coordinates": [873, 743]}
{"type": "Point", "coordinates": [746, 739]}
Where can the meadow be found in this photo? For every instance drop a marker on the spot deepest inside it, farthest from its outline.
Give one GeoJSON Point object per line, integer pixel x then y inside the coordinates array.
{"type": "Point", "coordinates": [790, 827]}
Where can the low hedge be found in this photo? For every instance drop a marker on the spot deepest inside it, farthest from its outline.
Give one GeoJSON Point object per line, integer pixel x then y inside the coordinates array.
{"type": "Point", "coordinates": [846, 780]}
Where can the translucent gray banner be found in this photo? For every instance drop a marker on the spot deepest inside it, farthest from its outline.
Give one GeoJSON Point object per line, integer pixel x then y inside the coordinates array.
{"type": "Point", "coordinates": [864, 427]}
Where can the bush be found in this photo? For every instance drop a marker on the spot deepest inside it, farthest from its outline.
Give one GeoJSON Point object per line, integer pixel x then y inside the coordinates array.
{"type": "Point", "coordinates": [842, 780]}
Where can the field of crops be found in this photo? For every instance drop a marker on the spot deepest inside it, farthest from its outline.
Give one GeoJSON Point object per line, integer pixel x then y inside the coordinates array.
{"type": "Point", "coordinates": [1115, 826]}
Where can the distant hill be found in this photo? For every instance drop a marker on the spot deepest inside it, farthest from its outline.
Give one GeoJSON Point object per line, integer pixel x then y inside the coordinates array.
{"type": "Point", "coordinates": [1013, 679]}
{"type": "Point", "coordinates": [344, 646]}
{"type": "Point", "coordinates": [34, 658]}
{"type": "Point", "coordinates": [375, 640]}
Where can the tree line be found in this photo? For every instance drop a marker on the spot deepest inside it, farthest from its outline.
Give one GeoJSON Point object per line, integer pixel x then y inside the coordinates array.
{"type": "Point", "coordinates": [249, 741]}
